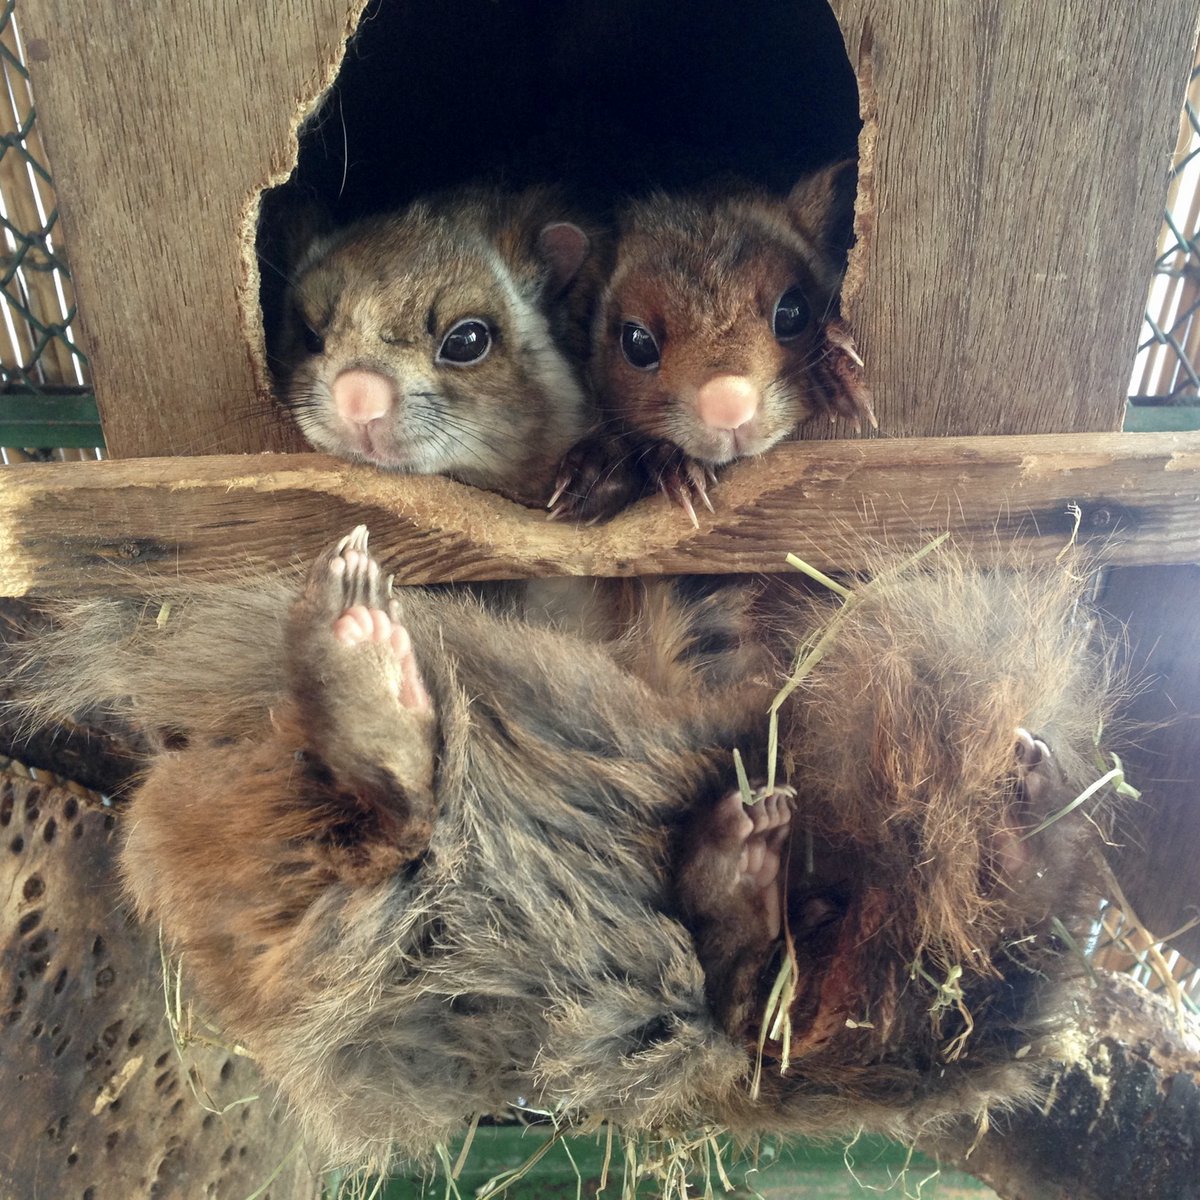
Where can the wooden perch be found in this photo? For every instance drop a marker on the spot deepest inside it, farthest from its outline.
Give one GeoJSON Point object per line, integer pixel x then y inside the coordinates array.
{"type": "Point", "coordinates": [1121, 1115]}
{"type": "Point", "coordinates": [123, 526]}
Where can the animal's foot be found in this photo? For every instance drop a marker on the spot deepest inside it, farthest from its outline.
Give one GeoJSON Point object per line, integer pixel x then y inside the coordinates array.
{"type": "Point", "coordinates": [754, 835]}
{"type": "Point", "coordinates": [362, 611]}
{"type": "Point", "coordinates": [1035, 775]}
{"type": "Point", "coordinates": [597, 478]}
{"type": "Point", "coordinates": [685, 480]}
{"type": "Point", "coordinates": [840, 376]}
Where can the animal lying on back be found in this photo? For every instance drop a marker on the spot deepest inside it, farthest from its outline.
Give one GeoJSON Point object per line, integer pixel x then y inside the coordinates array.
{"type": "Point", "coordinates": [715, 336]}
{"type": "Point", "coordinates": [421, 859]}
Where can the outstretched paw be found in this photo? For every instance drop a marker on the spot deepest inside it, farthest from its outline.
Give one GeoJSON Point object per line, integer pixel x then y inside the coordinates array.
{"type": "Point", "coordinates": [362, 611]}
{"type": "Point", "coordinates": [754, 835]}
{"type": "Point", "coordinates": [597, 478]}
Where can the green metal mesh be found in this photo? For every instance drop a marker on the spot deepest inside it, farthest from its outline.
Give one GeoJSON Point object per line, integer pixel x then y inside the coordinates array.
{"type": "Point", "coordinates": [1164, 391]}
{"type": "Point", "coordinates": [45, 400]}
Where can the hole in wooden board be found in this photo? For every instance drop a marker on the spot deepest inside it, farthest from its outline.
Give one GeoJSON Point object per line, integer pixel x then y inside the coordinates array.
{"type": "Point", "coordinates": [606, 99]}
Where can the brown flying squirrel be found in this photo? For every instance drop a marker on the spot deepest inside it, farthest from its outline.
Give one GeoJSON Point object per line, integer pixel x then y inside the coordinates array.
{"type": "Point", "coordinates": [444, 339]}
{"type": "Point", "coordinates": [715, 336]}
{"type": "Point", "coordinates": [463, 859]}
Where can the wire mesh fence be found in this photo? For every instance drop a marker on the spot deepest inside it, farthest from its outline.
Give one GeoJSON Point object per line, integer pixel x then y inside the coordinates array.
{"type": "Point", "coordinates": [44, 396]}
{"type": "Point", "coordinates": [1164, 390]}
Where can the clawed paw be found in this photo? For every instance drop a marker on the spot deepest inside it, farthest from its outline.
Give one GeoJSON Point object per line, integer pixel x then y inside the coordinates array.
{"type": "Point", "coordinates": [754, 836]}
{"type": "Point", "coordinates": [364, 612]}
{"type": "Point", "coordinates": [1034, 765]}
{"type": "Point", "coordinates": [596, 479]}
{"type": "Point", "coordinates": [684, 480]}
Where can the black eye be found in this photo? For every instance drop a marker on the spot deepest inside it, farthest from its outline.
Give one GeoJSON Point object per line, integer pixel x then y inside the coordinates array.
{"type": "Point", "coordinates": [468, 342]}
{"type": "Point", "coordinates": [314, 343]}
{"type": "Point", "coordinates": [791, 314]}
{"type": "Point", "coordinates": [639, 347]}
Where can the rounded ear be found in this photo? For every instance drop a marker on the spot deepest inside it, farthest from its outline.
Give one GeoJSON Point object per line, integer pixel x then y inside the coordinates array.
{"type": "Point", "coordinates": [563, 247]}
{"type": "Point", "coordinates": [821, 205]}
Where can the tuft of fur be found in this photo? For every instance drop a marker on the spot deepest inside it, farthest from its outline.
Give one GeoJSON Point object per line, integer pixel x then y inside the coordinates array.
{"type": "Point", "coordinates": [536, 925]}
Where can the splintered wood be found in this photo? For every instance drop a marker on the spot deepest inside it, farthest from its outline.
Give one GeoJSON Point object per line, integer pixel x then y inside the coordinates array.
{"type": "Point", "coordinates": [123, 526]}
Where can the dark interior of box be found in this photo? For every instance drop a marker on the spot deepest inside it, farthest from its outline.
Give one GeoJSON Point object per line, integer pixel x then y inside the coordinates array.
{"type": "Point", "coordinates": [608, 97]}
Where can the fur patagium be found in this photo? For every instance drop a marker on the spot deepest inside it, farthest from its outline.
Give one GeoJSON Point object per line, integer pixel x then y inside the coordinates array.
{"type": "Point", "coordinates": [422, 860]}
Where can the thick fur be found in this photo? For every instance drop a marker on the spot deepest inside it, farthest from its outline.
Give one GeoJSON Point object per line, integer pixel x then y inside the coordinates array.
{"type": "Point", "coordinates": [703, 275]}
{"type": "Point", "coordinates": [541, 923]}
{"type": "Point", "coordinates": [381, 295]}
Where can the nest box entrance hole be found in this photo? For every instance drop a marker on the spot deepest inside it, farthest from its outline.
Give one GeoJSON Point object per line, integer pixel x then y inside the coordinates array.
{"type": "Point", "coordinates": [607, 99]}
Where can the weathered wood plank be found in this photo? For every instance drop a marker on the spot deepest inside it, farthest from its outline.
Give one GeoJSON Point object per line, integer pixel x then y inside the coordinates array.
{"type": "Point", "coordinates": [1014, 169]}
{"type": "Point", "coordinates": [1011, 196]}
{"type": "Point", "coordinates": [163, 122]}
{"type": "Point", "coordinates": [114, 526]}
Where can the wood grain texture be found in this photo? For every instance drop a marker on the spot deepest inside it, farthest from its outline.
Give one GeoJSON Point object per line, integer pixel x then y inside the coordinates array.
{"type": "Point", "coordinates": [1158, 862]}
{"type": "Point", "coordinates": [163, 122]}
{"type": "Point", "coordinates": [1014, 171]}
{"type": "Point", "coordinates": [117, 526]}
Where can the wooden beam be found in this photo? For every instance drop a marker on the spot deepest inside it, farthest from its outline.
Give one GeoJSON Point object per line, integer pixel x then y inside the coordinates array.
{"type": "Point", "coordinates": [1009, 201]}
{"type": "Point", "coordinates": [122, 526]}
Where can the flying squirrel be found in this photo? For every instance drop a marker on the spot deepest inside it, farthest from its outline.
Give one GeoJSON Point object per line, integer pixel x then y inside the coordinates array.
{"type": "Point", "coordinates": [421, 858]}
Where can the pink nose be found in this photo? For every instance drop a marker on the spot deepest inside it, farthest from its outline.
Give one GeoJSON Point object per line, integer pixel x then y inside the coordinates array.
{"type": "Point", "coordinates": [727, 401]}
{"type": "Point", "coordinates": [362, 396]}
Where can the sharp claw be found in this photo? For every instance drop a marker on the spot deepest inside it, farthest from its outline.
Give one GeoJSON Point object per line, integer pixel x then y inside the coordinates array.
{"type": "Point", "coordinates": [555, 514]}
{"type": "Point", "coordinates": [563, 483]}
{"type": "Point", "coordinates": [682, 497]}
{"type": "Point", "coordinates": [707, 502]}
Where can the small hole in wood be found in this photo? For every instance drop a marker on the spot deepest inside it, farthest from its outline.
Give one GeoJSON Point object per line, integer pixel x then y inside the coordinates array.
{"type": "Point", "coordinates": [49, 829]}
{"type": "Point", "coordinates": [33, 888]}
{"type": "Point", "coordinates": [70, 808]}
{"type": "Point", "coordinates": [60, 982]}
{"type": "Point", "coordinates": [98, 946]}
{"type": "Point", "coordinates": [29, 922]}
{"type": "Point", "coordinates": [17, 844]}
